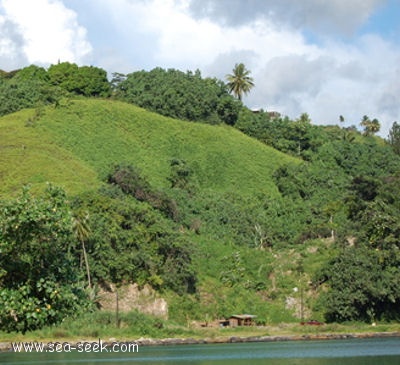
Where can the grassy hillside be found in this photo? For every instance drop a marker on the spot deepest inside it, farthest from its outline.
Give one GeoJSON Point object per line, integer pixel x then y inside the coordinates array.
{"type": "Point", "coordinates": [74, 145]}
{"type": "Point", "coordinates": [29, 156]}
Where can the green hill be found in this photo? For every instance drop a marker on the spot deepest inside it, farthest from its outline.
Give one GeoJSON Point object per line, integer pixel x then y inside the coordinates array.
{"type": "Point", "coordinates": [249, 230]}
{"type": "Point", "coordinates": [75, 144]}
{"type": "Point", "coordinates": [257, 214]}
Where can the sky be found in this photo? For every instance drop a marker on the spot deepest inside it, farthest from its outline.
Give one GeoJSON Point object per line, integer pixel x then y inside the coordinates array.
{"type": "Point", "coordinates": [322, 57]}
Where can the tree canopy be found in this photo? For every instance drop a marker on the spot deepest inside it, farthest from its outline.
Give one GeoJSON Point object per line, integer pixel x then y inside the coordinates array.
{"type": "Point", "coordinates": [34, 86]}
{"type": "Point", "coordinates": [84, 80]}
{"type": "Point", "coordinates": [174, 93]}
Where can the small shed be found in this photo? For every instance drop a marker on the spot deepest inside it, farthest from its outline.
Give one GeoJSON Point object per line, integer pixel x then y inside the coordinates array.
{"type": "Point", "coordinates": [241, 320]}
{"type": "Point", "coordinates": [223, 322]}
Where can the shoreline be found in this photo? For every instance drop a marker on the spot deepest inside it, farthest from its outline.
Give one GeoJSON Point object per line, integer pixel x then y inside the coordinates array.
{"type": "Point", "coordinates": [6, 346]}
{"type": "Point", "coordinates": [274, 338]}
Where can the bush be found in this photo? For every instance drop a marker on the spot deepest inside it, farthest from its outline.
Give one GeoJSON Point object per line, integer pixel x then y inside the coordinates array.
{"type": "Point", "coordinates": [131, 182]}
{"type": "Point", "coordinates": [363, 286]}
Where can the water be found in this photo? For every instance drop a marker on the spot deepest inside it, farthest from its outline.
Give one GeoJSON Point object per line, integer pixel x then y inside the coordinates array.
{"type": "Point", "coordinates": [384, 351]}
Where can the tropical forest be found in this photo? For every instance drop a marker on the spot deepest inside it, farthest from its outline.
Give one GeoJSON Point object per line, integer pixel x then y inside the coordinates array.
{"type": "Point", "coordinates": [164, 180]}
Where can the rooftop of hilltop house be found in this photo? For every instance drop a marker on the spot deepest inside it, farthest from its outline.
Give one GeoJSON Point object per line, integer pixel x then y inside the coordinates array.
{"type": "Point", "coordinates": [271, 114]}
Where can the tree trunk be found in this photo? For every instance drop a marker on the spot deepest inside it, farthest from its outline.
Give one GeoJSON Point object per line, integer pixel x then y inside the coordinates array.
{"type": "Point", "coordinates": [87, 264]}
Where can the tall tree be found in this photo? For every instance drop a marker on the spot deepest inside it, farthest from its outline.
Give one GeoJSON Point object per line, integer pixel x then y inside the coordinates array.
{"type": "Point", "coordinates": [240, 82]}
{"type": "Point", "coordinates": [394, 137]}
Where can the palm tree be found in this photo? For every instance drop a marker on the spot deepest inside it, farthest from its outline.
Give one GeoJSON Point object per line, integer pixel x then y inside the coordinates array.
{"type": "Point", "coordinates": [370, 126]}
{"type": "Point", "coordinates": [239, 82]}
{"type": "Point", "coordinates": [80, 225]}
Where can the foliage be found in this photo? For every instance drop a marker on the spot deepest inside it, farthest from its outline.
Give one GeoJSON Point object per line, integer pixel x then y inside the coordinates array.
{"type": "Point", "coordinates": [179, 95]}
{"type": "Point", "coordinates": [35, 86]}
{"type": "Point", "coordinates": [234, 270]}
{"type": "Point", "coordinates": [228, 110]}
{"type": "Point", "coordinates": [25, 93]}
{"type": "Point", "coordinates": [364, 279]}
{"type": "Point", "coordinates": [297, 137]}
{"type": "Point", "coordinates": [312, 193]}
{"type": "Point", "coordinates": [81, 229]}
{"type": "Point", "coordinates": [370, 126]}
{"type": "Point", "coordinates": [4, 75]}
{"type": "Point", "coordinates": [394, 137]}
{"type": "Point", "coordinates": [222, 215]}
{"type": "Point", "coordinates": [374, 207]}
{"type": "Point", "coordinates": [367, 158]}
{"type": "Point", "coordinates": [32, 72]}
{"type": "Point", "coordinates": [84, 80]}
{"type": "Point", "coordinates": [132, 242]}
{"type": "Point", "coordinates": [240, 82]}
{"type": "Point", "coordinates": [38, 276]}
{"type": "Point", "coordinates": [129, 180]}
{"type": "Point", "coordinates": [181, 174]}
{"type": "Point", "coordinates": [364, 285]}
{"type": "Point", "coordinates": [321, 186]}
{"type": "Point", "coordinates": [363, 189]}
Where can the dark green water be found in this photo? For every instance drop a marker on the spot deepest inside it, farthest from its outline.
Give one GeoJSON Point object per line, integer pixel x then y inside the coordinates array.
{"type": "Point", "coordinates": [355, 352]}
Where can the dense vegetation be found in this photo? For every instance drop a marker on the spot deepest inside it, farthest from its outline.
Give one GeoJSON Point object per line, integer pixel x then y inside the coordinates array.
{"type": "Point", "coordinates": [218, 218]}
{"type": "Point", "coordinates": [179, 95]}
{"type": "Point", "coordinates": [38, 275]}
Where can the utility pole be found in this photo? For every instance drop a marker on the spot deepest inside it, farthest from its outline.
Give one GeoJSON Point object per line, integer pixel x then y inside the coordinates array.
{"type": "Point", "coordinates": [117, 307]}
{"type": "Point", "coordinates": [301, 302]}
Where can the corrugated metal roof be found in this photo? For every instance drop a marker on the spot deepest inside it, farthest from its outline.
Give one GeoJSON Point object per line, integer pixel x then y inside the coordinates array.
{"type": "Point", "coordinates": [243, 316]}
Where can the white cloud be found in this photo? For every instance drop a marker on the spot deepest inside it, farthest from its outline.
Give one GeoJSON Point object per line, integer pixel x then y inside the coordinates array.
{"type": "Point", "coordinates": [318, 15]}
{"type": "Point", "coordinates": [170, 37]}
{"type": "Point", "coordinates": [350, 80]}
{"type": "Point", "coordinates": [290, 79]}
{"type": "Point", "coordinates": [47, 30]}
{"type": "Point", "coordinates": [11, 42]}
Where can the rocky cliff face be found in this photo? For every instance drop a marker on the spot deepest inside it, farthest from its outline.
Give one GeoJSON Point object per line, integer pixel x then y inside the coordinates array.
{"type": "Point", "coordinates": [131, 297]}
